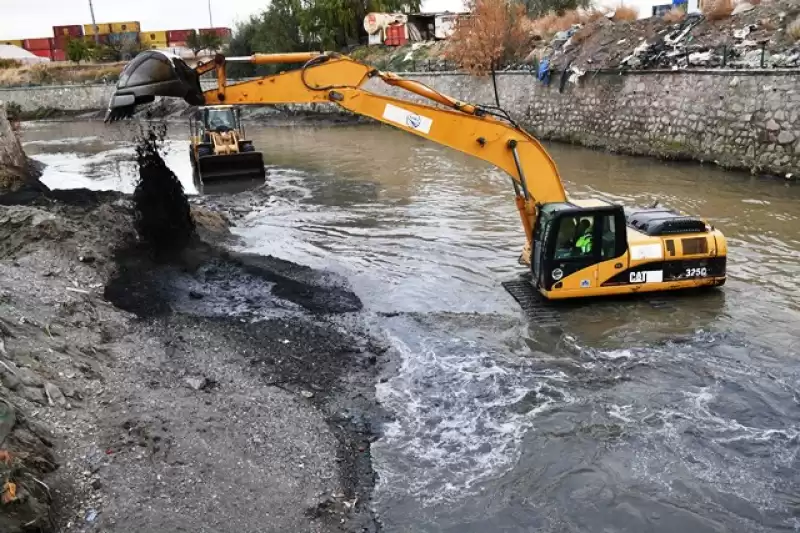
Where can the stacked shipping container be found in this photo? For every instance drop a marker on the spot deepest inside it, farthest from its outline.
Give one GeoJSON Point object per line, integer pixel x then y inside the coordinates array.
{"type": "Point", "coordinates": [62, 35]}
{"type": "Point", "coordinates": [178, 38]}
{"type": "Point", "coordinates": [222, 33]}
{"type": "Point", "coordinates": [154, 39]}
{"type": "Point", "coordinates": [118, 33]}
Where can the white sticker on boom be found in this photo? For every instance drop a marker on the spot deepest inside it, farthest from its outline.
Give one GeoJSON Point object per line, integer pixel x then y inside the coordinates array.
{"type": "Point", "coordinates": [406, 118]}
{"type": "Point", "coordinates": [647, 251]}
{"type": "Point", "coordinates": [647, 276]}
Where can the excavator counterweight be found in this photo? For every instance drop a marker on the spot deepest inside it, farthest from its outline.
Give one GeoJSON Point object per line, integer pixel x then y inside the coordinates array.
{"type": "Point", "coordinates": [573, 248]}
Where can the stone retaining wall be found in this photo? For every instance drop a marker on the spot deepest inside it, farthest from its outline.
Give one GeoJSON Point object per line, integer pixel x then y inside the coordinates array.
{"type": "Point", "coordinates": [737, 119]}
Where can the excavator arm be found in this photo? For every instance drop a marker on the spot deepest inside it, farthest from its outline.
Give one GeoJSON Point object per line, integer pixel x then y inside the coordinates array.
{"type": "Point", "coordinates": [485, 133]}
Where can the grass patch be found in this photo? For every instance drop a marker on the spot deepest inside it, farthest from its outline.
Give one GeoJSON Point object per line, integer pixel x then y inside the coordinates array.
{"type": "Point", "coordinates": [60, 74]}
{"type": "Point", "coordinates": [547, 26]}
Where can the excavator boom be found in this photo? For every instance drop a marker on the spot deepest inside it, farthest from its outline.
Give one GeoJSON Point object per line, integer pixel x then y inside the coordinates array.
{"type": "Point", "coordinates": [575, 248]}
{"type": "Point", "coordinates": [484, 133]}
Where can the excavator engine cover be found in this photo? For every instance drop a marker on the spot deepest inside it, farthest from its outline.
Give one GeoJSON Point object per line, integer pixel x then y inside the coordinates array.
{"type": "Point", "coordinates": [150, 74]}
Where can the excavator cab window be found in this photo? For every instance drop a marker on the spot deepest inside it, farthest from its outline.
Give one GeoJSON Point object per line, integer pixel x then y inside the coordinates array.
{"type": "Point", "coordinates": [569, 238]}
{"type": "Point", "coordinates": [220, 120]}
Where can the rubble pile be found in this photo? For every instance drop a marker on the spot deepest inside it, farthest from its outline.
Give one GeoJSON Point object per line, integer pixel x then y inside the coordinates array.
{"type": "Point", "coordinates": [754, 36]}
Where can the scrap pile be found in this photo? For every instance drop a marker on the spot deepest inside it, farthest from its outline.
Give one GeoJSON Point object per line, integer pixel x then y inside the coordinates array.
{"type": "Point", "coordinates": [752, 37]}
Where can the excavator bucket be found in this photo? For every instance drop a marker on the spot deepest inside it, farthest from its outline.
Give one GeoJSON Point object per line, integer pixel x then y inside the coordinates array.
{"type": "Point", "coordinates": [245, 165]}
{"type": "Point", "coordinates": [150, 74]}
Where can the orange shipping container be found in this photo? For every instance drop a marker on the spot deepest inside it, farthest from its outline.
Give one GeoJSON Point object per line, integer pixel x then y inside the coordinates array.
{"type": "Point", "coordinates": [13, 42]}
{"type": "Point", "coordinates": [102, 39]}
{"type": "Point", "coordinates": [125, 27]}
{"type": "Point", "coordinates": [102, 29]}
{"type": "Point", "coordinates": [156, 45]}
{"type": "Point", "coordinates": [147, 37]}
{"type": "Point", "coordinates": [45, 43]}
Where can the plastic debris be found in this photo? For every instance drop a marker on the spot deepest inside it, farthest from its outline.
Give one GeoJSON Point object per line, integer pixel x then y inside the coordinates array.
{"type": "Point", "coordinates": [91, 515]}
{"type": "Point", "coordinates": [742, 8]}
{"type": "Point", "coordinates": [9, 492]}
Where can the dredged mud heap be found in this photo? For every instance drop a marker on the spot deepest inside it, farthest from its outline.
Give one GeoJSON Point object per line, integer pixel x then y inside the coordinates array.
{"type": "Point", "coordinates": [209, 397]}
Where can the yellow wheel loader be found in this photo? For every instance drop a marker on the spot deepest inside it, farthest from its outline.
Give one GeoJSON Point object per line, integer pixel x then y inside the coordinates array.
{"type": "Point", "coordinates": [573, 248]}
{"type": "Point", "coordinates": [219, 148]}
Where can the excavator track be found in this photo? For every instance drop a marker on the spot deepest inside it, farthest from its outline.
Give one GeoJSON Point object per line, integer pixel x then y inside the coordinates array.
{"type": "Point", "coordinates": [535, 306]}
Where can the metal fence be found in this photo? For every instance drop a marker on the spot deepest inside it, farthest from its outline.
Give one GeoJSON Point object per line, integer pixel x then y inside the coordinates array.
{"type": "Point", "coordinates": [701, 58]}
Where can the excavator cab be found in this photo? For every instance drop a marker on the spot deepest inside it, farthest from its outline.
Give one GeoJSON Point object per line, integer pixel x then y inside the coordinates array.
{"type": "Point", "coordinates": [569, 239]}
{"type": "Point", "coordinates": [219, 147]}
{"type": "Point", "coordinates": [594, 248]}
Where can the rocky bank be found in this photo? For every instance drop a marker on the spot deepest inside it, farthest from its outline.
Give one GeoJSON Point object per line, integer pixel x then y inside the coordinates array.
{"type": "Point", "coordinates": [196, 391]}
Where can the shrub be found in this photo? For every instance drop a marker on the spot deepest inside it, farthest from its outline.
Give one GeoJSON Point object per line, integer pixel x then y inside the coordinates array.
{"type": "Point", "coordinates": [674, 15]}
{"type": "Point", "coordinates": [550, 24]}
{"type": "Point", "coordinates": [626, 13]}
{"type": "Point", "coordinates": [494, 34]}
{"type": "Point", "coordinates": [717, 9]}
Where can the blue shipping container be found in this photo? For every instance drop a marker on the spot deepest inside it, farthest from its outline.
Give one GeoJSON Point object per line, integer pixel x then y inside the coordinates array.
{"type": "Point", "coordinates": [124, 38]}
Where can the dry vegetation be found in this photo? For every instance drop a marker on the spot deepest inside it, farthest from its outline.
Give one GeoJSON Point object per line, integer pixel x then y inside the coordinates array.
{"type": "Point", "coordinates": [674, 15]}
{"type": "Point", "coordinates": [793, 30]}
{"type": "Point", "coordinates": [550, 24]}
{"type": "Point", "coordinates": [717, 9]}
{"type": "Point", "coordinates": [54, 74]}
{"type": "Point", "coordinates": [495, 34]}
{"type": "Point", "coordinates": [626, 13]}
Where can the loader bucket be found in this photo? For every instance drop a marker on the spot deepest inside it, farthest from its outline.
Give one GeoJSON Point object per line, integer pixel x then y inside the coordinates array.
{"type": "Point", "coordinates": [150, 74]}
{"type": "Point", "coordinates": [245, 165]}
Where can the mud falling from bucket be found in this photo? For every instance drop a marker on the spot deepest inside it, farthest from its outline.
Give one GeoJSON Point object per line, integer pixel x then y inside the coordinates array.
{"type": "Point", "coordinates": [163, 218]}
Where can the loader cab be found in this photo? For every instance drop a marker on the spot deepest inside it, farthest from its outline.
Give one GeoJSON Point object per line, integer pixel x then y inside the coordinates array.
{"type": "Point", "coordinates": [569, 238]}
{"type": "Point", "coordinates": [219, 148]}
{"type": "Point", "coordinates": [218, 119]}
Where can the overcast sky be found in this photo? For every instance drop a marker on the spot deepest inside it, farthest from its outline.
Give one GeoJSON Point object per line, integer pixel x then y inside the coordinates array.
{"type": "Point", "coordinates": [21, 19]}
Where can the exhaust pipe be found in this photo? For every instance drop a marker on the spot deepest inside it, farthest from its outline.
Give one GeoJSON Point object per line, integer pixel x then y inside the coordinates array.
{"type": "Point", "coordinates": [150, 74]}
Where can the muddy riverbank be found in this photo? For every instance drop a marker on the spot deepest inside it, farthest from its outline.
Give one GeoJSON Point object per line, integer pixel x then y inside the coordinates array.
{"type": "Point", "coordinates": [211, 392]}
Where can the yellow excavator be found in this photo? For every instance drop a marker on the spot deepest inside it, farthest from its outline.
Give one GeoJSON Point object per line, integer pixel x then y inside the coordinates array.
{"type": "Point", "coordinates": [574, 248]}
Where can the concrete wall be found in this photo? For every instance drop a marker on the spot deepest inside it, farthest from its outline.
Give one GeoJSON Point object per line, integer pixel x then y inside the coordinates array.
{"type": "Point", "coordinates": [748, 120]}
{"type": "Point", "coordinates": [64, 97]}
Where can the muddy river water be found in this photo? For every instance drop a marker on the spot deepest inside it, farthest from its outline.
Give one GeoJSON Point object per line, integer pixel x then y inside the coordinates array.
{"type": "Point", "coordinates": [678, 414]}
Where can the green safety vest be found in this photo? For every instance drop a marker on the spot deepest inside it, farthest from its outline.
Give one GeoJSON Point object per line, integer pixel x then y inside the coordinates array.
{"type": "Point", "coordinates": [585, 243]}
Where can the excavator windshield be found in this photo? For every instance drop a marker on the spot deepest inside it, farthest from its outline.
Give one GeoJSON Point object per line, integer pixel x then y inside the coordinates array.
{"type": "Point", "coordinates": [220, 119]}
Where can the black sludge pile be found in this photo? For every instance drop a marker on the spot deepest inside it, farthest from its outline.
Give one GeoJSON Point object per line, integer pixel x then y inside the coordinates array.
{"type": "Point", "coordinates": [163, 217]}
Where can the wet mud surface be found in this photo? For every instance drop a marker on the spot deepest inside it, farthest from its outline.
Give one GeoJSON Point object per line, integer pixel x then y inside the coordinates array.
{"type": "Point", "coordinates": [205, 389]}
